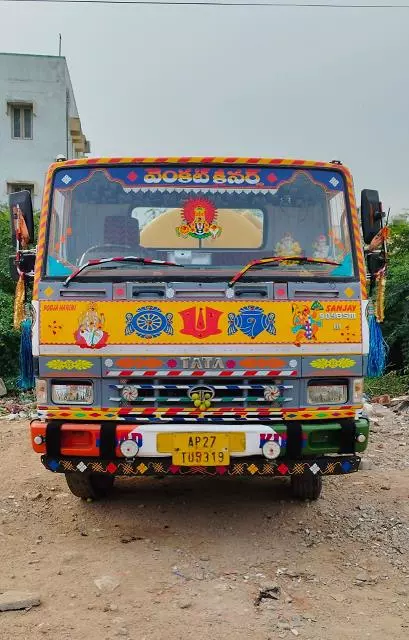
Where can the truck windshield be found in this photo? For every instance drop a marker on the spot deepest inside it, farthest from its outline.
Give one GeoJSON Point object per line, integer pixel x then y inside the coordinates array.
{"type": "Point", "coordinates": [213, 220]}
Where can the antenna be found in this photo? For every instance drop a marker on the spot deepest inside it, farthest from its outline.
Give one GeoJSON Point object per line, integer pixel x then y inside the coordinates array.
{"type": "Point", "coordinates": [59, 44]}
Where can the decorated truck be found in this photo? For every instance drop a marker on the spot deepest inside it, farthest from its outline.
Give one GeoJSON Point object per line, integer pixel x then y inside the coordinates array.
{"type": "Point", "coordinates": [198, 316]}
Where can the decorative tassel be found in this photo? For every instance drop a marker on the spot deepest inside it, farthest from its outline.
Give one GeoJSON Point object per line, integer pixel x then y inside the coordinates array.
{"type": "Point", "coordinates": [380, 239]}
{"type": "Point", "coordinates": [26, 380]}
{"type": "Point", "coordinates": [19, 300]}
{"type": "Point", "coordinates": [380, 296]}
{"type": "Point", "coordinates": [378, 348]}
{"type": "Point", "coordinates": [20, 227]}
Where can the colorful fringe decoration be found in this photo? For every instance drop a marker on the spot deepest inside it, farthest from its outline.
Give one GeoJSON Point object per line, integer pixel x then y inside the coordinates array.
{"type": "Point", "coordinates": [19, 300]}
{"type": "Point", "coordinates": [378, 348]}
{"type": "Point", "coordinates": [380, 239]}
{"type": "Point", "coordinates": [20, 227]}
{"type": "Point", "coordinates": [22, 239]}
{"type": "Point", "coordinates": [380, 295]}
{"type": "Point", "coordinates": [26, 379]}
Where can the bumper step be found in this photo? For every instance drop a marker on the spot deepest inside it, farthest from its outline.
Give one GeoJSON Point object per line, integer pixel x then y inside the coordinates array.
{"type": "Point", "coordinates": [326, 466]}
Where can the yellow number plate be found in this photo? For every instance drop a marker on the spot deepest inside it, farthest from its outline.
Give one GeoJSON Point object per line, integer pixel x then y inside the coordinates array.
{"type": "Point", "coordinates": [200, 449]}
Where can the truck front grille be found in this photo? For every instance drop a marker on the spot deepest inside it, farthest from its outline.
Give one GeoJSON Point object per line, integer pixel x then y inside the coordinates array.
{"type": "Point", "coordinates": [160, 392]}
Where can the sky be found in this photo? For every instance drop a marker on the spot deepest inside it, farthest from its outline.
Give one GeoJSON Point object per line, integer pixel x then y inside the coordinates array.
{"type": "Point", "coordinates": [319, 84]}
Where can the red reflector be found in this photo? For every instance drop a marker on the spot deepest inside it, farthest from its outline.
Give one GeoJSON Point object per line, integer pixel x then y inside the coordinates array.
{"type": "Point", "coordinates": [80, 440]}
{"type": "Point", "coordinates": [75, 439]}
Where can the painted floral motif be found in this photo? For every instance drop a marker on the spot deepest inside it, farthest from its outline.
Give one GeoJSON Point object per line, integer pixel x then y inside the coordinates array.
{"type": "Point", "coordinates": [333, 363]}
{"type": "Point", "coordinates": [69, 365]}
{"type": "Point", "coordinates": [272, 393]}
{"type": "Point", "coordinates": [54, 327]}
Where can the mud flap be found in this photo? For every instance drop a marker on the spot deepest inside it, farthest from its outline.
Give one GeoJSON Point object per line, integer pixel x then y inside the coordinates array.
{"type": "Point", "coordinates": [107, 440]}
{"type": "Point", "coordinates": [348, 436]}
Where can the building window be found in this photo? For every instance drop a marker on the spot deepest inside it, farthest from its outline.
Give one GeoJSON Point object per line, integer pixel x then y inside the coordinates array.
{"type": "Point", "coordinates": [12, 187]}
{"type": "Point", "coordinates": [22, 121]}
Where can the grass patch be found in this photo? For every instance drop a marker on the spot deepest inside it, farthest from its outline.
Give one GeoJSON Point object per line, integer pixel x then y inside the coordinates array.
{"type": "Point", "coordinates": [391, 384]}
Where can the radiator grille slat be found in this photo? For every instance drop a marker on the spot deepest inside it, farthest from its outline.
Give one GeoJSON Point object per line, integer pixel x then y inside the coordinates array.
{"type": "Point", "coordinates": [160, 391]}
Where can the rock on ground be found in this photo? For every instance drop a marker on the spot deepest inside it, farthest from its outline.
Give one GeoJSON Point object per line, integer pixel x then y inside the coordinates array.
{"type": "Point", "coordinates": [14, 600]}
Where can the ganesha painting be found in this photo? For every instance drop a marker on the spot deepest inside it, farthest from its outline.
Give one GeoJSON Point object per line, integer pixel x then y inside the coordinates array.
{"type": "Point", "coordinates": [90, 333]}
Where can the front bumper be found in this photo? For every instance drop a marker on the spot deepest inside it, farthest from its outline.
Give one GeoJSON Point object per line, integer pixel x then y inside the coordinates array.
{"type": "Point", "coordinates": [249, 466]}
{"type": "Point", "coordinates": [297, 440]}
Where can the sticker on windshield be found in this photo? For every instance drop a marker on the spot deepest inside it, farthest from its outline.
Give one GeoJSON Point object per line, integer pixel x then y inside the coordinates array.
{"type": "Point", "coordinates": [199, 216]}
{"type": "Point", "coordinates": [288, 246]}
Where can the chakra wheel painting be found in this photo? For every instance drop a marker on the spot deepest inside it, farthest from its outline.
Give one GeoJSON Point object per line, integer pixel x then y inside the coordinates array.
{"type": "Point", "coordinates": [149, 322]}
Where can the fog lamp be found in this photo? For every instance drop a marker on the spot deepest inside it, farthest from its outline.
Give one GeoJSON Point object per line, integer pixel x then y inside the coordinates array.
{"type": "Point", "coordinates": [129, 448]}
{"type": "Point", "coordinates": [271, 450]}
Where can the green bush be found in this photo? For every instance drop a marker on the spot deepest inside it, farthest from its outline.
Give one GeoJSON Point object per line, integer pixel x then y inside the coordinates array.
{"type": "Point", "coordinates": [9, 338]}
{"type": "Point", "coordinates": [6, 283]}
{"type": "Point", "coordinates": [396, 325]}
{"type": "Point", "coordinates": [9, 341]}
{"type": "Point", "coordinates": [391, 384]}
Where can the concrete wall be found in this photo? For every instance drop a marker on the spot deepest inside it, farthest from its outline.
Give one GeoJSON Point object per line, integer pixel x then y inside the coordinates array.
{"type": "Point", "coordinates": [43, 81]}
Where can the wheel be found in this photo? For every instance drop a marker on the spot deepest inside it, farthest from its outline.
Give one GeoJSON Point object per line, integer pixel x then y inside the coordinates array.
{"type": "Point", "coordinates": [91, 485]}
{"type": "Point", "coordinates": [306, 487]}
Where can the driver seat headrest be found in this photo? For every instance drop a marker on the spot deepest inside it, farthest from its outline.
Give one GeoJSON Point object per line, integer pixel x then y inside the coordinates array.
{"type": "Point", "coordinates": [121, 230]}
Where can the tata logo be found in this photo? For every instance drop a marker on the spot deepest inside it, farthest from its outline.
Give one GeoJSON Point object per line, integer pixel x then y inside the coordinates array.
{"type": "Point", "coordinates": [206, 362]}
{"type": "Point", "coordinates": [200, 322]}
{"type": "Point", "coordinates": [201, 395]}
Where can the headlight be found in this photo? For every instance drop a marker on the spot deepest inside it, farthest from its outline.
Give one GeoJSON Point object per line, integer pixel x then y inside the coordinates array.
{"type": "Point", "coordinates": [41, 391]}
{"type": "Point", "coordinates": [72, 393]}
{"type": "Point", "coordinates": [357, 390]}
{"type": "Point", "coordinates": [327, 393]}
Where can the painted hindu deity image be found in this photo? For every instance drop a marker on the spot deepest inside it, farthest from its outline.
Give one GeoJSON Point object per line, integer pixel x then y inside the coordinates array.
{"type": "Point", "coordinates": [288, 246]}
{"type": "Point", "coordinates": [200, 216]}
{"type": "Point", "coordinates": [305, 322]}
{"type": "Point", "coordinates": [321, 247]}
{"type": "Point", "coordinates": [90, 333]}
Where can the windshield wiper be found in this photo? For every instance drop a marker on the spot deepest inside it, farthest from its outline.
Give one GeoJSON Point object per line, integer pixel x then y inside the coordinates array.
{"type": "Point", "coordinates": [275, 261]}
{"type": "Point", "coordinates": [138, 260]}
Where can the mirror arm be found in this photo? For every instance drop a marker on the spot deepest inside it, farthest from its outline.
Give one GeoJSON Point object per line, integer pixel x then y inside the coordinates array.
{"type": "Point", "coordinates": [19, 259]}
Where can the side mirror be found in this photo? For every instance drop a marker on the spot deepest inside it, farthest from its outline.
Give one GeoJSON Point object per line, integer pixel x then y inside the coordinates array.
{"type": "Point", "coordinates": [371, 214]}
{"type": "Point", "coordinates": [22, 220]}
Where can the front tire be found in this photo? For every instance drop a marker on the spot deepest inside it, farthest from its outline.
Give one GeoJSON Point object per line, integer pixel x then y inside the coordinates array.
{"type": "Point", "coordinates": [91, 485]}
{"type": "Point", "coordinates": [306, 487]}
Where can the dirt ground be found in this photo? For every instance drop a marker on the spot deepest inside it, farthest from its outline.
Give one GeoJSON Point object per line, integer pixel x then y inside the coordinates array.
{"type": "Point", "coordinates": [191, 555]}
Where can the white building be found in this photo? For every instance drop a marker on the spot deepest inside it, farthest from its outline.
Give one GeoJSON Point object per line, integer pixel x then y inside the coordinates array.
{"type": "Point", "coordinates": [38, 121]}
